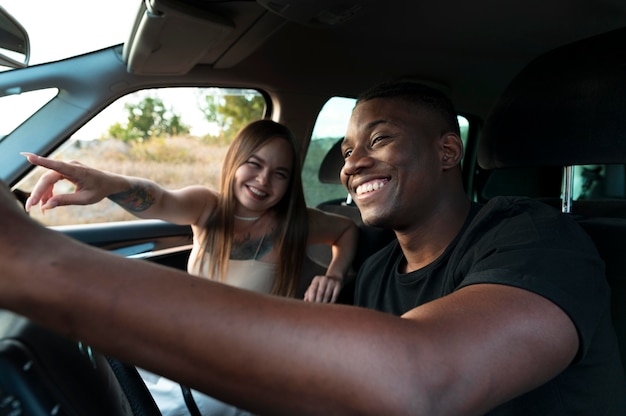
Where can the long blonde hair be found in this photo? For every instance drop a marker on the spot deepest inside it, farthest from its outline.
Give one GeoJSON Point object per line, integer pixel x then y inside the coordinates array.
{"type": "Point", "coordinates": [291, 213]}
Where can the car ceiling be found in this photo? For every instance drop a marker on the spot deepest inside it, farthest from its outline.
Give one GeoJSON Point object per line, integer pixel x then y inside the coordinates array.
{"type": "Point", "coordinates": [471, 50]}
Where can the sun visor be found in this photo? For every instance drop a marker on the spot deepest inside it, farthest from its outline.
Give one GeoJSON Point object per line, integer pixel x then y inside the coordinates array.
{"type": "Point", "coordinates": [567, 107]}
{"type": "Point", "coordinates": [157, 44]}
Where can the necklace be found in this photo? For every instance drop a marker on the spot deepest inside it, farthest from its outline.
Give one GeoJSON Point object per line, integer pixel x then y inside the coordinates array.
{"type": "Point", "coordinates": [237, 217]}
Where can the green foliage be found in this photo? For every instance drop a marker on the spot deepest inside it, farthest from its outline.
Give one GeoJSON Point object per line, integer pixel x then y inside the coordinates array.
{"type": "Point", "coordinates": [149, 118]}
{"type": "Point", "coordinates": [232, 112]}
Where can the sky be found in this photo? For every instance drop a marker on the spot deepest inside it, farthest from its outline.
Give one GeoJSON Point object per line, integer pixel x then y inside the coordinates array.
{"type": "Point", "coordinates": [62, 28]}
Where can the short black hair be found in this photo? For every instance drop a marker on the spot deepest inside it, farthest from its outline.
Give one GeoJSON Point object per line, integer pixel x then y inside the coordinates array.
{"type": "Point", "coordinates": [416, 93]}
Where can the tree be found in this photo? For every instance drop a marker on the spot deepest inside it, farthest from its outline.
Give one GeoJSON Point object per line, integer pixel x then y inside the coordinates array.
{"type": "Point", "coordinates": [149, 118]}
{"type": "Point", "coordinates": [230, 112]}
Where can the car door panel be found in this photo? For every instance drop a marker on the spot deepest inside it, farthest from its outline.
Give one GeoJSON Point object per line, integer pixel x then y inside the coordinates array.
{"type": "Point", "coordinates": [154, 240]}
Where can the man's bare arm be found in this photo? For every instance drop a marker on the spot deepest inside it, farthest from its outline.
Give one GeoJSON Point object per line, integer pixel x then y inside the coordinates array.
{"type": "Point", "coordinates": [464, 353]}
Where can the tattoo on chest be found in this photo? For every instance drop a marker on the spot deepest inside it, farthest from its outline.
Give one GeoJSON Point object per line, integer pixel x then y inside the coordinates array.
{"type": "Point", "coordinates": [247, 248]}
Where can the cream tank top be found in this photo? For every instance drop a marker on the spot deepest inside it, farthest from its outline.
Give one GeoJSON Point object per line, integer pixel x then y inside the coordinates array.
{"type": "Point", "coordinates": [250, 274]}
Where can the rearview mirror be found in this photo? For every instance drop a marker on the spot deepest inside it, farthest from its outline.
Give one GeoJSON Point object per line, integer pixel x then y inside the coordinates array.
{"type": "Point", "coordinates": [14, 42]}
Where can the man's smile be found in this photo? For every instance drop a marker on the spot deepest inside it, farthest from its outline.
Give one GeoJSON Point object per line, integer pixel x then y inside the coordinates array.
{"type": "Point", "coordinates": [370, 186]}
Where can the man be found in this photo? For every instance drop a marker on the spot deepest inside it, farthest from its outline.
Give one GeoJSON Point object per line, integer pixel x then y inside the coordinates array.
{"type": "Point", "coordinates": [501, 307]}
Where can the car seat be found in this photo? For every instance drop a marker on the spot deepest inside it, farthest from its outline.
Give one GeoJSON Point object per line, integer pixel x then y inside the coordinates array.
{"type": "Point", "coordinates": [539, 182]}
{"type": "Point", "coordinates": [568, 108]}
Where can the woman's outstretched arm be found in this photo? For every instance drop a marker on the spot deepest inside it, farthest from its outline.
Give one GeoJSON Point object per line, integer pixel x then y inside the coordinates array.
{"type": "Point", "coordinates": [141, 197]}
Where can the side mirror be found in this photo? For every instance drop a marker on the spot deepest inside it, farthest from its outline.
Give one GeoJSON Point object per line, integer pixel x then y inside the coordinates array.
{"type": "Point", "coordinates": [14, 42]}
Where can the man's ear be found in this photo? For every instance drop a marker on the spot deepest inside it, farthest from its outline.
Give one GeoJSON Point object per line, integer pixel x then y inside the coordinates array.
{"type": "Point", "coordinates": [451, 150]}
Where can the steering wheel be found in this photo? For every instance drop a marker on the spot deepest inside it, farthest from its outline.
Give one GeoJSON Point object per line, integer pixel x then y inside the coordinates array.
{"type": "Point", "coordinates": [44, 373]}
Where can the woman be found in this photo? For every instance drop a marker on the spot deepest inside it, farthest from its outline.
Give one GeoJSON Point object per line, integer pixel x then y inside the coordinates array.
{"type": "Point", "coordinates": [251, 234]}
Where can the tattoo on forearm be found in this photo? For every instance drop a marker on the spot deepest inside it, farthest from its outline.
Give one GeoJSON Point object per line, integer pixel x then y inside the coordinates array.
{"type": "Point", "coordinates": [136, 199]}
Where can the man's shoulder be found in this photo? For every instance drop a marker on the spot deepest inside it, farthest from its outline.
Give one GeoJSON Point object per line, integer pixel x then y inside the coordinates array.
{"type": "Point", "coordinates": [511, 207]}
{"type": "Point", "coordinates": [508, 216]}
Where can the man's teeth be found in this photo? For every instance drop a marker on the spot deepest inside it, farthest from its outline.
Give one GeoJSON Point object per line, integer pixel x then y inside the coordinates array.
{"type": "Point", "coordinates": [369, 187]}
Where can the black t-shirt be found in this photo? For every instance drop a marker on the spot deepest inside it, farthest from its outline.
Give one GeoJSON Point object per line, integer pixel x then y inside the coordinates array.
{"type": "Point", "coordinates": [527, 244]}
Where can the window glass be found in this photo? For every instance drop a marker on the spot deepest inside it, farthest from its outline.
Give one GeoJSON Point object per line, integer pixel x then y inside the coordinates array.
{"type": "Point", "coordinates": [174, 136]}
{"type": "Point", "coordinates": [21, 107]}
{"type": "Point", "coordinates": [331, 126]}
{"type": "Point", "coordinates": [599, 182]}
{"type": "Point", "coordinates": [464, 129]}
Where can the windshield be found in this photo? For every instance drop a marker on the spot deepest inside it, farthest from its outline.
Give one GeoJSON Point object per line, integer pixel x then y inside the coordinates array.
{"type": "Point", "coordinates": [63, 28]}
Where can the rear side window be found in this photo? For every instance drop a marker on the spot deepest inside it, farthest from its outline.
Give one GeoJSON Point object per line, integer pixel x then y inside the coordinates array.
{"type": "Point", "coordinates": [599, 182]}
{"type": "Point", "coordinates": [174, 136]}
{"type": "Point", "coordinates": [330, 127]}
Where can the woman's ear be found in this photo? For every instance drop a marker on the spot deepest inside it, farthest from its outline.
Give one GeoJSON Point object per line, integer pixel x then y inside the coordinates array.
{"type": "Point", "coordinates": [451, 150]}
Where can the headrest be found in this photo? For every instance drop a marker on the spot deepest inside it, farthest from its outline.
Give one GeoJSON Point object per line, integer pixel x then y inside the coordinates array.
{"type": "Point", "coordinates": [567, 107]}
{"type": "Point", "coordinates": [331, 165]}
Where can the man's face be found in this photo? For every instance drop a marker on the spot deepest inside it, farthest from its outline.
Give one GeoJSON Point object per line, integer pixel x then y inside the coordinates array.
{"type": "Point", "coordinates": [392, 165]}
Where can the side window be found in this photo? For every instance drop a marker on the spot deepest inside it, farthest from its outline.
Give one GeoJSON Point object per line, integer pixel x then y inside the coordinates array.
{"type": "Point", "coordinates": [464, 128]}
{"type": "Point", "coordinates": [174, 136]}
{"type": "Point", "coordinates": [331, 125]}
{"type": "Point", "coordinates": [599, 182]}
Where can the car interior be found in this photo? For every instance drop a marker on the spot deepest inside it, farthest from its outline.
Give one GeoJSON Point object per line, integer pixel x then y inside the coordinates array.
{"type": "Point", "coordinates": [539, 121]}
{"type": "Point", "coordinates": [542, 86]}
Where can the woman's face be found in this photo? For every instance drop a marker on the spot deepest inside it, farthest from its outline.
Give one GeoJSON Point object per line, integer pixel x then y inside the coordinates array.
{"type": "Point", "coordinates": [262, 180]}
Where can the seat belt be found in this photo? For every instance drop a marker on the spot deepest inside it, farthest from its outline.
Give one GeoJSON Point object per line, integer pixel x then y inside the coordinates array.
{"type": "Point", "coordinates": [189, 401]}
